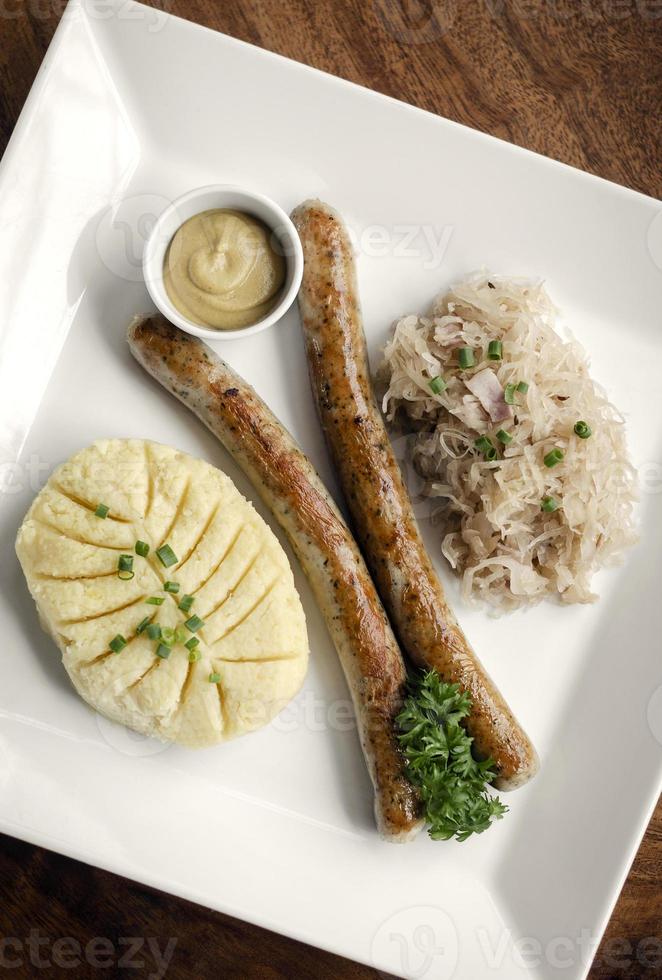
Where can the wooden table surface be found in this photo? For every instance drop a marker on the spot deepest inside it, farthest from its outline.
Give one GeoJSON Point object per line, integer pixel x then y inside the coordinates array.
{"type": "Point", "coordinates": [578, 80]}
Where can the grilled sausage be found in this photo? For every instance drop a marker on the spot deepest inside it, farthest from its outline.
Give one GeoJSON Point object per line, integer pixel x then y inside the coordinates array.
{"type": "Point", "coordinates": [289, 485]}
{"type": "Point", "coordinates": [376, 496]}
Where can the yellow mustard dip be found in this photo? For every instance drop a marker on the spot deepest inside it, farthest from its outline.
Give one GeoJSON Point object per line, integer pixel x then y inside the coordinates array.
{"type": "Point", "coordinates": [221, 270]}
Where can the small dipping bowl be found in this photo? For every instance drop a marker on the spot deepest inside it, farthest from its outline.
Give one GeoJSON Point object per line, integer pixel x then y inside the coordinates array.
{"type": "Point", "coordinates": [207, 199]}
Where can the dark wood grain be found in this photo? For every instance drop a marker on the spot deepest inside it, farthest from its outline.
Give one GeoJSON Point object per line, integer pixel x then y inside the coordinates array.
{"type": "Point", "coordinates": [578, 80]}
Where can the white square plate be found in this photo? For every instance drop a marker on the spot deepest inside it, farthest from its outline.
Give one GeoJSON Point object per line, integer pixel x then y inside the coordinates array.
{"type": "Point", "coordinates": [131, 108]}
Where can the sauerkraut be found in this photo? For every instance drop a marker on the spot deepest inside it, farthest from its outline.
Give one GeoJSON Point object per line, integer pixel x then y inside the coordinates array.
{"type": "Point", "coordinates": [520, 523]}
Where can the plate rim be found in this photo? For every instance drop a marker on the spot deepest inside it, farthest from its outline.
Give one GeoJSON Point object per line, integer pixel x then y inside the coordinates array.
{"type": "Point", "coordinates": [12, 150]}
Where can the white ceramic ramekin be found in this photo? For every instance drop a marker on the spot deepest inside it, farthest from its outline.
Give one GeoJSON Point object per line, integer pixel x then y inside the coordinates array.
{"type": "Point", "coordinates": [205, 199]}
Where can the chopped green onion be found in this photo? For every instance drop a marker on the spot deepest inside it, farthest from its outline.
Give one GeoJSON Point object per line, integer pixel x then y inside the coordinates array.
{"type": "Point", "coordinates": [192, 643]}
{"type": "Point", "coordinates": [185, 603]}
{"type": "Point", "coordinates": [117, 643]}
{"type": "Point", "coordinates": [102, 511]}
{"type": "Point", "coordinates": [465, 357]}
{"type": "Point", "coordinates": [553, 457]}
{"type": "Point", "coordinates": [125, 567]}
{"type": "Point", "coordinates": [168, 635]}
{"type": "Point", "coordinates": [163, 651]}
{"type": "Point", "coordinates": [522, 386]}
{"type": "Point", "coordinates": [549, 505]}
{"type": "Point", "coordinates": [194, 656]}
{"type": "Point", "coordinates": [494, 350]}
{"type": "Point", "coordinates": [484, 444]}
{"type": "Point", "coordinates": [214, 678]}
{"type": "Point", "coordinates": [155, 600]}
{"type": "Point", "coordinates": [153, 631]}
{"type": "Point", "coordinates": [194, 624]}
{"type": "Point", "coordinates": [509, 394]}
{"type": "Point", "coordinates": [180, 635]}
{"type": "Point", "coordinates": [504, 437]}
{"type": "Point", "coordinates": [171, 587]}
{"type": "Point", "coordinates": [166, 555]}
{"type": "Point", "coordinates": [143, 624]}
{"type": "Point", "coordinates": [437, 385]}
{"type": "Point", "coordinates": [583, 430]}
{"type": "Point", "coordinates": [142, 549]}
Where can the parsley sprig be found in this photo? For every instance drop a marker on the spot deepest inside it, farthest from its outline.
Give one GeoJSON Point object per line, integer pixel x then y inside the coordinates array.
{"type": "Point", "coordinates": [452, 784]}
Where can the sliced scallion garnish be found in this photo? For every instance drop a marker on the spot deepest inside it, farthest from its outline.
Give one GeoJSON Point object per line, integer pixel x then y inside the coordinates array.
{"type": "Point", "coordinates": [483, 444]}
{"type": "Point", "coordinates": [117, 643]}
{"type": "Point", "coordinates": [553, 457]}
{"type": "Point", "coordinates": [194, 656]}
{"type": "Point", "coordinates": [194, 624]}
{"type": "Point", "coordinates": [166, 556]}
{"type": "Point", "coordinates": [155, 600]}
{"type": "Point", "coordinates": [465, 357]}
{"type": "Point", "coordinates": [172, 587]}
{"type": "Point", "coordinates": [142, 625]}
{"type": "Point", "coordinates": [522, 386]}
{"type": "Point", "coordinates": [494, 350]}
{"type": "Point", "coordinates": [583, 429]}
{"type": "Point", "coordinates": [185, 603]}
{"type": "Point", "coordinates": [509, 394]}
{"type": "Point", "coordinates": [504, 437]}
{"type": "Point", "coordinates": [214, 678]}
{"type": "Point", "coordinates": [153, 631]}
{"type": "Point", "coordinates": [180, 635]}
{"type": "Point", "coordinates": [192, 643]}
{"type": "Point", "coordinates": [163, 651]}
{"type": "Point", "coordinates": [549, 505]}
{"type": "Point", "coordinates": [437, 385]}
{"type": "Point", "coordinates": [102, 511]}
{"type": "Point", "coordinates": [125, 567]}
{"type": "Point", "coordinates": [168, 635]}
{"type": "Point", "coordinates": [142, 549]}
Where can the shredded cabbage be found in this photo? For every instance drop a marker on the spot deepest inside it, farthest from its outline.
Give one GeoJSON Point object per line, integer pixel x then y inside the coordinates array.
{"type": "Point", "coordinates": [508, 551]}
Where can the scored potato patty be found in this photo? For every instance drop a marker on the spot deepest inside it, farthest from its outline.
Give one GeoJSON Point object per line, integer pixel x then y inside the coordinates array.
{"type": "Point", "coordinates": [253, 644]}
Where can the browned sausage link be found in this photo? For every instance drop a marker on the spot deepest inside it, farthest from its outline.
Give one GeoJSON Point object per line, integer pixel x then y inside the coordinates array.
{"type": "Point", "coordinates": [289, 485]}
{"type": "Point", "coordinates": [378, 501]}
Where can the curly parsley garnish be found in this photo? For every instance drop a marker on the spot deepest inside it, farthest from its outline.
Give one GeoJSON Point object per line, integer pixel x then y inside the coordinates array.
{"type": "Point", "coordinates": [451, 783]}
